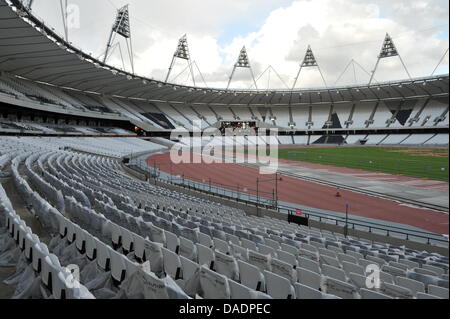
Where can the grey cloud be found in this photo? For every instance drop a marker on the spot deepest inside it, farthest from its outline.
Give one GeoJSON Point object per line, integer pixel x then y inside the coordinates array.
{"type": "Point", "coordinates": [349, 33]}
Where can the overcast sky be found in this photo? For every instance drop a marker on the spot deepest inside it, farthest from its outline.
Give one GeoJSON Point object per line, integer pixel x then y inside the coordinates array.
{"type": "Point", "coordinates": [275, 32]}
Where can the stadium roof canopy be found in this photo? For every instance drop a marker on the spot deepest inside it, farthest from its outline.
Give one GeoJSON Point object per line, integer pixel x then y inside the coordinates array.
{"type": "Point", "coordinates": [32, 50]}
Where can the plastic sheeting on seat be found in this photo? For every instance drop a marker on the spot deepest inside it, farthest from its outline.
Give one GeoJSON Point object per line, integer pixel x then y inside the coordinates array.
{"type": "Point", "coordinates": [283, 269]}
{"type": "Point", "coordinates": [213, 285]}
{"type": "Point", "coordinates": [339, 288]}
{"type": "Point", "coordinates": [226, 265]}
{"type": "Point", "coordinates": [259, 260]}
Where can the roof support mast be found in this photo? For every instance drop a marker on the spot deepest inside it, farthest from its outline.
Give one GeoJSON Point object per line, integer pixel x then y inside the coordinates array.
{"type": "Point", "coordinates": [269, 69]}
{"type": "Point", "coordinates": [440, 61]}
{"type": "Point", "coordinates": [354, 64]}
{"type": "Point", "coordinates": [388, 50]}
{"type": "Point", "coordinates": [63, 5]}
{"type": "Point", "coordinates": [121, 27]}
{"type": "Point", "coordinates": [242, 62]}
{"type": "Point", "coordinates": [182, 52]}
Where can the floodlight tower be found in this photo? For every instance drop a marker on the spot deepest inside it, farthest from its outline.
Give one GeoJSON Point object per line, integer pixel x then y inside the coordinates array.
{"type": "Point", "coordinates": [182, 52]}
{"type": "Point", "coordinates": [388, 50]}
{"type": "Point", "coordinates": [242, 62]}
{"type": "Point", "coordinates": [121, 27]}
{"type": "Point", "coordinates": [308, 61]}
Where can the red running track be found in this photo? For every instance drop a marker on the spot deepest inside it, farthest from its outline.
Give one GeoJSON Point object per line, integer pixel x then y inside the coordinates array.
{"type": "Point", "coordinates": [297, 191]}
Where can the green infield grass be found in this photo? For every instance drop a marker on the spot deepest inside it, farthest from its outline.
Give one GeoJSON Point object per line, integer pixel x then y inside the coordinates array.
{"type": "Point", "coordinates": [429, 163]}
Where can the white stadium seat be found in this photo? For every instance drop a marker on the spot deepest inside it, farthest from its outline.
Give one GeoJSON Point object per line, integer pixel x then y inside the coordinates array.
{"type": "Point", "coordinates": [345, 257]}
{"type": "Point", "coordinates": [439, 271]}
{"type": "Point", "coordinates": [359, 281]}
{"type": "Point", "coordinates": [370, 294]}
{"type": "Point", "coordinates": [157, 234]}
{"type": "Point", "coordinates": [278, 287]}
{"type": "Point", "coordinates": [333, 272]}
{"type": "Point", "coordinates": [353, 268]}
{"type": "Point", "coordinates": [283, 269]}
{"type": "Point", "coordinates": [239, 291]}
{"type": "Point", "coordinates": [205, 256]}
{"type": "Point", "coordinates": [50, 270]}
{"type": "Point", "coordinates": [189, 268]}
{"type": "Point", "coordinates": [118, 266]}
{"type": "Point", "coordinates": [172, 264]}
{"type": "Point", "coordinates": [287, 248]}
{"type": "Point", "coordinates": [413, 285]}
{"type": "Point", "coordinates": [266, 250]}
{"type": "Point", "coordinates": [395, 291]}
{"type": "Point", "coordinates": [339, 288]}
{"type": "Point", "coordinates": [187, 249]}
{"type": "Point", "coordinates": [221, 245]}
{"type": "Point", "coordinates": [251, 276]}
{"type": "Point", "coordinates": [139, 247]}
{"type": "Point", "coordinates": [226, 265]}
{"type": "Point", "coordinates": [172, 241]}
{"type": "Point", "coordinates": [213, 285]}
{"type": "Point", "coordinates": [440, 292]}
{"type": "Point", "coordinates": [306, 292]}
{"type": "Point", "coordinates": [309, 264]}
{"type": "Point", "coordinates": [205, 240]}
{"type": "Point", "coordinates": [393, 271]}
{"type": "Point", "coordinates": [330, 261]}
{"type": "Point", "coordinates": [40, 251]}
{"type": "Point", "coordinates": [127, 240]}
{"type": "Point", "coordinates": [287, 258]}
{"type": "Point", "coordinates": [81, 239]}
{"type": "Point", "coordinates": [103, 255]}
{"type": "Point", "coordinates": [309, 278]}
{"type": "Point", "coordinates": [385, 277]}
{"type": "Point", "coordinates": [421, 295]}
{"type": "Point", "coordinates": [410, 264]}
{"type": "Point", "coordinates": [259, 260]}
{"type": "Point", "coordinates": [250, 245]}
